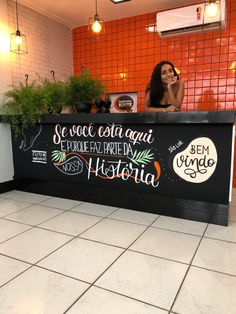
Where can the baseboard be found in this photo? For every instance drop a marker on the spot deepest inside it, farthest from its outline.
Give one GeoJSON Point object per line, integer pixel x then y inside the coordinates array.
{"type": "Point", "coordinates": [157, 204]}
{"type": "Point", "coordinates": [7, 186]}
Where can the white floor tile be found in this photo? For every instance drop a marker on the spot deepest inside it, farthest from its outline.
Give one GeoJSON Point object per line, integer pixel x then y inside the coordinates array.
{"type": "Point", "coordinates": [232, 213]}
{"type": "Point", "coordinates": [168, 244]}
{"type": "Point", "coordinates": [33, 244]}
{"type": "Point", "coordinates": [82, 259]}
{"type": "Point", "coordinates": [146, 278]}
{"type": "Point", "coordinates": [25, 196]}
{"type": "Point", "coordinates": [60, 203]}
{"type": "Point", "coordinates": [9, 268]}
{"type": "Point", "coordinates": [133, 216]}
{"type": "Point", "coordinates": [8, 206]}
{"type": "Point", "coordinates": [152, 281]}
{"type": "Point", "coordinates": [71, 223]}
{"type": "Point", "coordinates": [233, 200]}
{"type": "Point", "coordinates": [114, 232]}
{"type": "Point", "coordinates": [206, 292]}
{"type": "Point", "coordinates": [9, 229]}
{"type": "Point", "coordinates": [216, 255]}
{"type": "Point", "coordinates": [10, 194]}
{"type": "Point", "coordinates": [227, 233]}
{"type": "Point", "coordinates": [34, 215]}
{"type": "Point", "coordinates": [99, 301]}
{"type": "Point", "coordinates": [94, 209]}
{"type": "Point", "coordinates": [181, 225]}
{"type": "Point", "coordinates": [39, 291]}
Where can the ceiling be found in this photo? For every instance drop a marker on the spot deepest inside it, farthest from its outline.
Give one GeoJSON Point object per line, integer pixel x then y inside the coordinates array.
{"type": "Point", "coordinates": [76, 12]}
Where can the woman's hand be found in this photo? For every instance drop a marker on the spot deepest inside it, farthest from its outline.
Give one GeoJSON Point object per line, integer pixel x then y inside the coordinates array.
{"type": "Point", "coordinates": [171, 109]}
{"type": "Point", "coordinates": [172, 81]}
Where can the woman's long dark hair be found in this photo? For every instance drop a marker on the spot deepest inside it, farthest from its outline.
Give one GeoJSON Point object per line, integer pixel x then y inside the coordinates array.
{"type": "Point", "coordinates": [155, 86]}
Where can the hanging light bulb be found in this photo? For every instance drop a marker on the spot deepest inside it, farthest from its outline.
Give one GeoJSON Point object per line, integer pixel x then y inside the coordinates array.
{"type": "Point", "coordinates": [177, 71]}
{"type": "Point", "coordinates": [18, 38]}
{"type": "Point", "coordinates": [212, 8]}
{"type": "Point", "coordinates": [18, 42]}
{"type": "Point", "coordinates": [233, 66]}
{"type": "Point", "coordinates": [96, 23]}
{"type": "Point", "coordinates": [96, 26]}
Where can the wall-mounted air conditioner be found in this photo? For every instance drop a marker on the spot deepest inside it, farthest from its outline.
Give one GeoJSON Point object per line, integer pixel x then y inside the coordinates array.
{"type": "Point", "coordinates": [189, 19]}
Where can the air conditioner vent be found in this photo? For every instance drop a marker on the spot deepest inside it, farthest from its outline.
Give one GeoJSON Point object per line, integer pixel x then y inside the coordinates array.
{"type": "Point", "coordinates": [190, 29]}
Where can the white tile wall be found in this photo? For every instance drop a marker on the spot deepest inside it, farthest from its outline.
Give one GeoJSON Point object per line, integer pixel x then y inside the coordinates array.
{"type": "Point", "coordinates": [49, 46]}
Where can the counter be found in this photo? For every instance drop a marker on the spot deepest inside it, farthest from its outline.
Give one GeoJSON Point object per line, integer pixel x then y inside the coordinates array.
{"type": "Point", "coordinates": [177, 164]}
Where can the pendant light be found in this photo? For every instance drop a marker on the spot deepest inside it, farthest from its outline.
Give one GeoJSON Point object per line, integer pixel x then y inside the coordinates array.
{"type": "Point", "coordinates": [96, 23]}
{"type": "Point", "coordinates": [18, 41]}
{"type": "Point", "coordinates": [212, 8]}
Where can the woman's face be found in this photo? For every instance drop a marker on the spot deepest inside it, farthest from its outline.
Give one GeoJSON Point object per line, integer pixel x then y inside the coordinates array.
{"type": "Point", "coordinates": [167, 73]}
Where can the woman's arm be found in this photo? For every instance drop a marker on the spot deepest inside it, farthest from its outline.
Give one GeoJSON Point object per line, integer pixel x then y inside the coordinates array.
{"type": "Point", "coordinates": [176, 99]}
{"type": "Point", "coordinates": [148, 108]}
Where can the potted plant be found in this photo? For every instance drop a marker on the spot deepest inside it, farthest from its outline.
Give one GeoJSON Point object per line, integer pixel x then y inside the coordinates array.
{"type": "Point", "coordinates": [25, 103]}
{"type": "Point", "coordinates": [53, 96]}
{"type": "Point", "coordinates": [22, 105]}
{"type": "Point", "coordinates": [83, 90]}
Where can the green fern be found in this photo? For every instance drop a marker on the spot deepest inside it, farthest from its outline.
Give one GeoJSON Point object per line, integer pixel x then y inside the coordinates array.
{"type": "Point", "coordinates": [58, 156]}
{"type": "Point", "coordinates": [142, 157]}
{"type": "Point", "coordinates": [22, 106]}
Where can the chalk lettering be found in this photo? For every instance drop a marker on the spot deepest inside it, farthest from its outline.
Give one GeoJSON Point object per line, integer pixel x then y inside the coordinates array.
{"type": "Point", "coordinates": [172, 148]}
{"type": "Point", "coordinates": [60, 132]}
{"type": "Point", "coordinates": [136, 137]}
{"type": "Point", "coordinates": [118, 169]}
{"type": "Point", "coordinates": [112, 148]}
{"type": "Point", "coordinates": [199, 149]}
{"type": "Point", "coordinates": [82, 130]}
{"type": "Point", "coordinates": [193, 165]}
{"type": "Point", "coordinates": [112, 131]}
{"type": "Point", "coordinates": [95, 147]}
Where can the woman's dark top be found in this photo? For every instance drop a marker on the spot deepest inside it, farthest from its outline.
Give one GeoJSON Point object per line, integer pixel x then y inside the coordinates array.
{"type": "Point", "coordinates": [158, 105]}
{"type": "Point", "coordinates": [161, 106]}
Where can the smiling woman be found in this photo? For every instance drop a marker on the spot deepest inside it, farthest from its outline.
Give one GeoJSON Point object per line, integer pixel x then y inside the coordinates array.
{"type": "Point", "coordinates": [165, 91]}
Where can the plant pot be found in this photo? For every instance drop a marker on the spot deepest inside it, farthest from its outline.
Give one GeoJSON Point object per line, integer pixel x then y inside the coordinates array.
{"type": "Point", "coordinates": [67, 110]}
{"type": "Point", "coordinates": [82, 107]}
{"type": "Point", "coordinates": [58, 111]}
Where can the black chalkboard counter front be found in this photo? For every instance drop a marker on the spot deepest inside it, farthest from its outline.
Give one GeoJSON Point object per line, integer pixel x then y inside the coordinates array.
{"type": "Point", "coordinates": [177, 164]}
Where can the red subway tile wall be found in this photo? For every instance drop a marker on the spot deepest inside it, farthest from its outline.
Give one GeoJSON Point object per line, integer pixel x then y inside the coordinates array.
{"type": "Point", "coordinates": [125, 55]}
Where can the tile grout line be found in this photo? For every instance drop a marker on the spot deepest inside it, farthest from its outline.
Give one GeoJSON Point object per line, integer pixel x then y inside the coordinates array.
{"type": "Point", "coordinates": [127, 249]}
{"type": "Point", "coordinates": [17, 211]}
{"type": "Point", "coordinates": [93, 283]}
{"type": "Point", "coordinates": [187, 271]}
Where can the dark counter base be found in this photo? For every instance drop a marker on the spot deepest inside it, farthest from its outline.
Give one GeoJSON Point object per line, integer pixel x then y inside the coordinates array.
{"type": "Point", "coordinates": [7, 186]}
{"type": "Point", "coordinates": [162, 205]}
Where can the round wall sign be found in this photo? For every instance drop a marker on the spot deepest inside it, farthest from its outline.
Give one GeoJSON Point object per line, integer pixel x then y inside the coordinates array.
{"type": "Point", "coordinates": [123, 103]}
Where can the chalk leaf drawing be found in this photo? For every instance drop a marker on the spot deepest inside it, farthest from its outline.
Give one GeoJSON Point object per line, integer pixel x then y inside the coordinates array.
{"type": "Point", "coordinates": [58, 156]}
{"type": "Point", "coordinates": [142, 157]}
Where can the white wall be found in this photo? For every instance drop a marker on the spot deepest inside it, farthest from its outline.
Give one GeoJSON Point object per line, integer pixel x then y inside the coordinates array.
{"type": "Point", "coordinates": [5, 66]}
{"type": "Point", "coordinates": [49, 46]}
{"type": "Point", "coordinates": [6, 161]}
{"type": "Point", "coordinates": [6, 164]}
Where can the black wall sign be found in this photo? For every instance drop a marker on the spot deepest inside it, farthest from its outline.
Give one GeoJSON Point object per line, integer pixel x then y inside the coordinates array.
{"type": "Point", "coordinates": [186, 160]}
